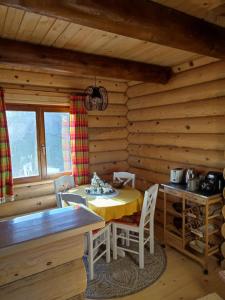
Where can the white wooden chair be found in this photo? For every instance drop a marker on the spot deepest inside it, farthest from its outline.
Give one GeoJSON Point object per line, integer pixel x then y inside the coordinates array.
{"type": "Point", "coordinates": [70, 198]}
{"type": "Point", "coordinates": [139, 231]}
{"type": "Point", "coordinates": [95, 239]}
{"type": "Point", "coordinates": [128, 177]}
{"type": "Point", "coordinates": [63, 184]}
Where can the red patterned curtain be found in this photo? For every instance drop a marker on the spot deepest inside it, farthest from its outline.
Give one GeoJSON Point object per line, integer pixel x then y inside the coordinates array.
{"type": "Point", "coordinates": [6, 180]}
{"type": "Point", "coordinates": [79, 140]}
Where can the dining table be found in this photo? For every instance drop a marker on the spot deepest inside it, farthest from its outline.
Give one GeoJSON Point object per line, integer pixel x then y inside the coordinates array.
{"type": "Point", "coordinates": [123, 202]}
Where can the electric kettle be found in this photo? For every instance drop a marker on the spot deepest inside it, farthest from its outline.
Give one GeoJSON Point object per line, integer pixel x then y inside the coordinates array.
{"type": "Point", "coordinates": [190, 174]}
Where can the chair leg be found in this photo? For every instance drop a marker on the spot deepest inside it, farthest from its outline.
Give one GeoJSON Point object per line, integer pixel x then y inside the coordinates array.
{"type": "Point", "coordinates": [141, 250]}
{"type": "Point", "coordinates": [91, 257]}
{"type": "Point", "coordinates": [151, 240]}
{"type": "Point", "coordinates": [86, 240]}
{"type": "Point", "coordinates": [114, 241]}
{"type": "Point", "coordinates": [123, 234]}
{"type": "Point", "coordinates": [108, 245]}
{"type": "Point", "coordinates": [127, 236]}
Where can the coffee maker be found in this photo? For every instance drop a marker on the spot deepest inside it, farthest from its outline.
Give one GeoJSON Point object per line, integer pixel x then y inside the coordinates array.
{"type": "Point", "coordinates": [212, 184]}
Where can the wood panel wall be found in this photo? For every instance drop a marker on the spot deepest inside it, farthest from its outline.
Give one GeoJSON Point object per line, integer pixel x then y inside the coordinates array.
{"type": "Point", "coordinates": [180, 124]}
{"type": "Point", "coordinates": [107, 130]}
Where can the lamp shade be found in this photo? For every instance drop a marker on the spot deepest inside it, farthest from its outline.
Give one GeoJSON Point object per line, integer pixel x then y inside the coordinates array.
{"type": "Point", "coordinates": [96, 98]}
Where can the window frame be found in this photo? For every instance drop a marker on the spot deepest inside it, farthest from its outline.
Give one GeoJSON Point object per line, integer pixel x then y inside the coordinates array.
{"type": "Point", "coordinates": [41, 143]}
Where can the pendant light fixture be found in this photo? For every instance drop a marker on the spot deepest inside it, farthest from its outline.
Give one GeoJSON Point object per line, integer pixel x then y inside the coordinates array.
{"type": "Point", "coordinates": [96, 98]}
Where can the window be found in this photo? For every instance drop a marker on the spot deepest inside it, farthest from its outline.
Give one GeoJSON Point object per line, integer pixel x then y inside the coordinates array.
{"type": "Point", "coordinates": [23, 143]}
{"type": "Point", "coordinates": [57, 136]}
{"type": "Point", "coordinates": [39, 141]}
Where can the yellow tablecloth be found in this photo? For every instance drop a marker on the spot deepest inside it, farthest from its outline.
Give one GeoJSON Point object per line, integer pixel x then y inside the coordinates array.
{"type": "Point", "coordinates": [127, 202]}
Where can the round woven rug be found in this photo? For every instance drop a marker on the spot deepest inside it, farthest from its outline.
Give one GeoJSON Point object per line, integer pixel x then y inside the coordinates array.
{"type": "Point", "coordinates": [123, 277]}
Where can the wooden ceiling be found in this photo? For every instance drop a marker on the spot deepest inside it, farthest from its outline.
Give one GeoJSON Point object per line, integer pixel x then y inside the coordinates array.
{"type": "Point", "coordinates": [21, 25]}
{"type": "Point", "coordinates": [25, 26]}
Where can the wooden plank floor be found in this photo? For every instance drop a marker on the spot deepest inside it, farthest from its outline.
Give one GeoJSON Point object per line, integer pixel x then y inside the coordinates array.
{"type": "Point", "coordinates": [182, 280]}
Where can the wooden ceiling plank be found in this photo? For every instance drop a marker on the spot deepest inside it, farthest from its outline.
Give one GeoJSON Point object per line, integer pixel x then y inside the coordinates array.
{"type": "Point", "coordinates": [81, 39]}
{"type": "Point", "coordinates": [133, 45]}
{"type": "Point", "coordinates": [104, 39]}
{"type": "Point", "coordinates": [27, 26]}
{"type": "Point", "coordinates": [67, 62]}
{"type": "Point", "coordinates": [66, 35]}
{"type": "Point", "coordinates": [43, 26]}
{"type": "Point", "coordinates": [3, 13]}
{"type": "Point", "coordinates": [12, 22]}
{"type": "Point", "coordinates": [140, 48]}
{"type": "Point", "coordinates": [56, 29]}
{"type": "Point", "coordinates": [148, 52]}
{"type": "Point", "coordinates": [119, 45]}
{"type": "Point", "coordinates": [144, 20]}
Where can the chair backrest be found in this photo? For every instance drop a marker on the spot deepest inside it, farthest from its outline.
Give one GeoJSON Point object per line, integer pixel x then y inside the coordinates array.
{"type": "Point", "coordinates": [63, 184]}
{"type": "Point", "coordinates": [128, 177]}
{"type": "Point", "coordinates": [148, 208]}
{"type": "Point", "coordinates": [72, 198]}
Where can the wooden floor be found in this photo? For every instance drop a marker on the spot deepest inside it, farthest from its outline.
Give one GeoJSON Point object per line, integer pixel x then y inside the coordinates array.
{"type": "Point", "coordinates": [182, 280]}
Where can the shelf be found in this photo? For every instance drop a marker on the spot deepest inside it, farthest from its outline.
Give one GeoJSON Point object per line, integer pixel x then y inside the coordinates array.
{"type": "Point", "coordinates": [172, 229]}
{"type": "Point", "coordinates": [194, 215]}
{"type": "Point", "coordinates": [174, 240]}
{"type": "Point", "coordinates": [173, 212]}
{"type": "Point", "coordinates": [213, 250]}
{"type": "Point", "coordinates": [214, 216]}
{"type": "Point", "coordinates": [201, 234]}
{"type": "Point", "coordinates": [190, 215]}
{"type": "Point", "coordinates": [193, 253]}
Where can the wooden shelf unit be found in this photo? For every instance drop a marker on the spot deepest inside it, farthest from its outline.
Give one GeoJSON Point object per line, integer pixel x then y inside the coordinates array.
{"type": "Point", "coordinates": [180, 238]}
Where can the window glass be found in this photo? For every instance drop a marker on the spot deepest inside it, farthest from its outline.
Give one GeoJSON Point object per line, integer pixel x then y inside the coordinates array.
{"type": "Point", "coordinates": [23, 143]}
{"type": "Point", "coordinates": [57, 142]}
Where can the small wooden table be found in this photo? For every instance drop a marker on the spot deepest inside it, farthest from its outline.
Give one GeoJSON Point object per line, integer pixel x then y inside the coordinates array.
{"type": "Point", "coordinates": [41, 254]}
{"type": "Point", "coordinates": [180, 239]}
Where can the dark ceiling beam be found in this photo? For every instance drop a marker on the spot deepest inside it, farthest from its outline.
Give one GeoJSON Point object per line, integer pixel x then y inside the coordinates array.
{"type": "Point", "coordinates": [140, 19]}
{"type": "Point", "coordinates": [68, 62]}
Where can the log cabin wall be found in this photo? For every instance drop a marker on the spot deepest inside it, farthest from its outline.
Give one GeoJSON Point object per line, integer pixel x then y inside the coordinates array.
{"type": "Point", "coordinates": [107, 130]}
{"type": "Point", "coordinates": [179, 124]}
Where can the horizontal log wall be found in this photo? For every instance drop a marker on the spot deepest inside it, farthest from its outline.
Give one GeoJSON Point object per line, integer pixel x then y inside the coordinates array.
{"type": "Point", "coordinates": [179, 124]}
{"type": "Point", "coordinates": [107, 130]}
